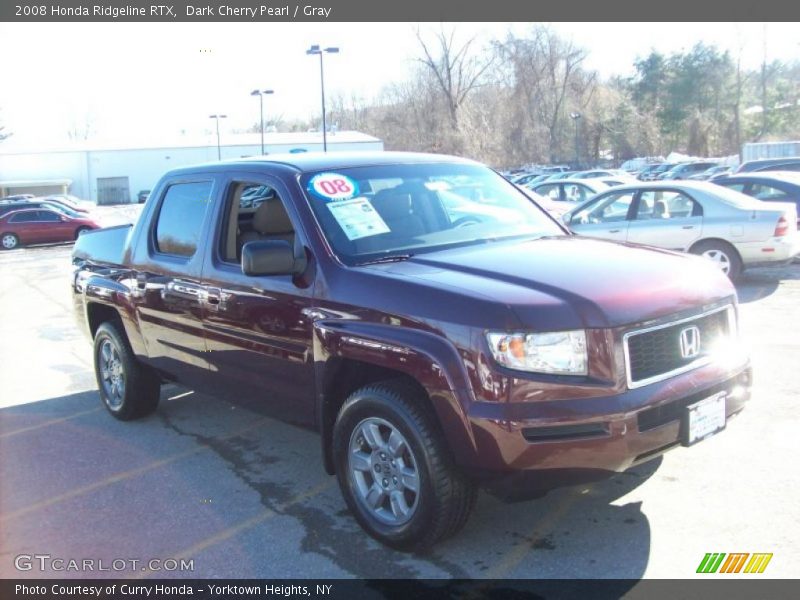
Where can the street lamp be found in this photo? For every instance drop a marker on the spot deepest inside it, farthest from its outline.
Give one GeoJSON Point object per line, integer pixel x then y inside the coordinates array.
{"type": "Point", "coordinates": [575, 116]}
{"type": "Point", "coordinates": [260, 94]}
{"type": "Point", "coordinates": [315, 49]}
{"type": "Point", "coordinates": [217, 118]}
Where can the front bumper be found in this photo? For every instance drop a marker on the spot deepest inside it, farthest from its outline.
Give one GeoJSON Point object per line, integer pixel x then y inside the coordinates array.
{"type": "Point", "coordinates": [593, 438]}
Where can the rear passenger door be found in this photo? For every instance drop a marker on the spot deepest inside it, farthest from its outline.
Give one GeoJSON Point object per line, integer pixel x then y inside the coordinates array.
{"type": "Point", "coordinates": [167, 270]}
{"type": "Point", "coordinates": [666, 219]}
{"type": "Point", "coordinates": [258, 329]}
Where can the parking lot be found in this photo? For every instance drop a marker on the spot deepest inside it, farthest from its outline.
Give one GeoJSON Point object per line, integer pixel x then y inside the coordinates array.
{"type": "Point", "coordinates": [242, 495]}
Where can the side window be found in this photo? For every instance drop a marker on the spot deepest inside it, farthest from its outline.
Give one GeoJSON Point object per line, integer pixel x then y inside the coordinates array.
{"type": "Point", "coordinates": [766, 192]}
{"type": "Point", "coordinates": [574, 192]}
{"type": "Point", "coordinates": [551, 191]}
{"type": "Point", "coordinates": [254, 212]}
{"type": "Point", "coordinates": [25, 217]}
{"type": "Point", "coordinates": [181, 217]}
{"type": "Point", "coordinates": [612, 208]}
{"type": "Point", "coordinates": [666, 204]}
{"type": "Point", "coordinates": [48, 216]}
{"type": "Point", "coordinates": [736, 187]}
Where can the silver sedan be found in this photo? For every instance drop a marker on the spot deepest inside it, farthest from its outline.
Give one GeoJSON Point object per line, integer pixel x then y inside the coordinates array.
{"type": "Point", "coordinates": [734, 230]}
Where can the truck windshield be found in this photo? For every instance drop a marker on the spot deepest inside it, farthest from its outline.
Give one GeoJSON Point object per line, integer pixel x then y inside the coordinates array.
{"type": "Point", "coordinates": [370, 213]}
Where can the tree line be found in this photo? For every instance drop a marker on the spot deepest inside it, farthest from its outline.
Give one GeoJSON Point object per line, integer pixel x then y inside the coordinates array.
{"type": "Point", "coordinates": [515, 101]}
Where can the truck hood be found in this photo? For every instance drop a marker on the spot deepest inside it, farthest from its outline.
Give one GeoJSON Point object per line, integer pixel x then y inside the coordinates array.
{"type": "Point", "coordinates": [573, 282]}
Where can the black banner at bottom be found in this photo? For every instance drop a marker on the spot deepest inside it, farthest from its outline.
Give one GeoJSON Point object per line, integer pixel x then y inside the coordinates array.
{"type": "Point", "coordinates": [399, 589]}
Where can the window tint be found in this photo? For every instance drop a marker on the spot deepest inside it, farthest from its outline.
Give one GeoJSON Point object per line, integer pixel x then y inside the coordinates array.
{"type": "Point", "coordinates": [25, 217]}
{"type": "Point", "coordinates": [181, 217]}
{"type": "Point", "coordinates": [763, 191]}
{"type": "Point", "coordinates": [48, 216]}
{"type": "Point", "coordinates": [551, 191]}
{"type": "Point", "coordinates": [666, 204]}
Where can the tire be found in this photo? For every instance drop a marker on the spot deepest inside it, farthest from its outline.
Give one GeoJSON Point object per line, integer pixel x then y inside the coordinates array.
{"type": "Point", "coordinates": [80, 231]}
{"type": "Point", "coordinates": [9, 241]}
{"type": "Point", "coordinates": [723, 254]}
{"type": "Point", "coordinates": [444, 496]}
{"type": "Point", "coordinates": [129, 390]}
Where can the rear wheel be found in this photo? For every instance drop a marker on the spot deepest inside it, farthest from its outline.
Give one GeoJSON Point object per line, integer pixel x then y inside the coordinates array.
{"type": "Point", "coordinates": [128, 388]}
{"type": "Point", "coordinates": [9, 241]}
{"type": "Point", "coordinates": [80, 231]}
{"type": "Point", "coordinates": [723, 255]}
{"type": "Point", "coordinates": [395, 470]}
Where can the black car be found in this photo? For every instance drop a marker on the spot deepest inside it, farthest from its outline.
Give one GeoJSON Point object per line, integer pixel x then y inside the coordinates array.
{"type": "Point", "coordinates": [142, 196]}
{"type": "Point", "coordinates": [772, 186]}
{"type": "Point", "coordinates": [770, 164]}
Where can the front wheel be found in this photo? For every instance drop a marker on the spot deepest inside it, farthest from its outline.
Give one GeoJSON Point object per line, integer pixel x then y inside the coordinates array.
{"type": "Point", "coordinates": [10, 241]}
{"type": "Point", "coordinates": [395, 470]}
{"type": "Point", "coordinates": [723, 255]}
{"type": "Point", "coordinates": [80, 231]}
{"type": "Point", "coordinates": [128, 388]}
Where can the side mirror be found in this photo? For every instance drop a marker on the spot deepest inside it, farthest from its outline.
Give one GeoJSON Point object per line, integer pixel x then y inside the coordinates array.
{"type": "Point", "coordinates": [271, 257]}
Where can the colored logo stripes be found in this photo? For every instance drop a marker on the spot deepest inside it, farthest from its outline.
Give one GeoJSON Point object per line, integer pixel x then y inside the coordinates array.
{"type": "Point", "coordinates": [734, 563]}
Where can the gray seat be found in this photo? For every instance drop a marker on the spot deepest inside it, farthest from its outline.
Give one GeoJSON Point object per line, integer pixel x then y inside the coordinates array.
{"type": "Point", "coordinates": [270, 222]}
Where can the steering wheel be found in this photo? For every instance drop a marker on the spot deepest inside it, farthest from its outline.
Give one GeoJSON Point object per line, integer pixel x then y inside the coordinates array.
{"type": "Point", "coordinates": [466, 221]}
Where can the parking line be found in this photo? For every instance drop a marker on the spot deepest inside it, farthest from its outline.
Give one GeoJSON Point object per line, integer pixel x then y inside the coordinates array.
{"type": "Point", "coordinates": [253, 521]}
{"type": "Point", "coordinates": [121, 476]}
{"type": "Point", "coordinates": [518, 553]}
{"type": "Point", "coordinates": [49, 423]}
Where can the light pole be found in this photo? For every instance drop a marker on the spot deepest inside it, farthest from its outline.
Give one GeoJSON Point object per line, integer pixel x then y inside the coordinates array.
{"type": "Point", "coordinates": [575, 116]}
{"type": "Point", "coordinates": [260, 94]}
{"type": "Point", "coordinates": [217, 118]}
{"type": "Point", "coordinates": [315, 49]}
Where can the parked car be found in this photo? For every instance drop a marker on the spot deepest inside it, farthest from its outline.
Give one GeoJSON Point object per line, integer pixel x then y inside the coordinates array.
{"type": "Point", "coordinates": [429, 353]}
{"type": "Point", "coordinates": [653, 172]}
{"type": "Point", "coordinates": [554, 208]}
{"type": "Point", "coordinates": [526, 178]}
{"type": "Point", "coordinates": [16, 197]}
{"type": "Point", "coordinates": [41, 225]}
{"type": "Point", "coordinates": [770, 164]}
{"type": "Point", "coordinates": [70, 201]}
{"type": "Point", "coordinates": [41, 203]}
{"type": "Point", "coordinates": [142, 196]}
{"type": "Point", "coordinates": [733, 230]}
{"type": "Point", "coordinates": [774, 186]}
{"type": "Point", "coordinates": [601, 173]}
{"type": "Point", "coordinates": [686, 170]}
{"type": "Point", "coordinates": [569, 190]}
{"type": "Point", "coordinates": [712, 172]}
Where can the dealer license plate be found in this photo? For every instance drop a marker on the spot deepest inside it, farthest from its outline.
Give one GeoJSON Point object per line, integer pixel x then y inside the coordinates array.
{"type": "Point", "coordinates": [703, 419]}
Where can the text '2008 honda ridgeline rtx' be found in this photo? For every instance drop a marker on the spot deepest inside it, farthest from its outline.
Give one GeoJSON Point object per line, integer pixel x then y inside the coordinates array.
{"type": "Point", "coordinates": [436, 327]}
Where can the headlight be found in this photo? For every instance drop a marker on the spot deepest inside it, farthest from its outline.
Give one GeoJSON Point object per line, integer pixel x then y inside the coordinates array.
{"type": "Point", "coordinates": [561, 352]}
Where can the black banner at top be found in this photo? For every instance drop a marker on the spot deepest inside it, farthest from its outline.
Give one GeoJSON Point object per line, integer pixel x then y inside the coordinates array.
{"type": "Point", "coordinates": [407, 10]}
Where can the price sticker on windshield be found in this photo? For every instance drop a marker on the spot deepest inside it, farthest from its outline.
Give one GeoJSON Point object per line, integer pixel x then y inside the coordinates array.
{"type": "Point", "coordinates": [333, 186]}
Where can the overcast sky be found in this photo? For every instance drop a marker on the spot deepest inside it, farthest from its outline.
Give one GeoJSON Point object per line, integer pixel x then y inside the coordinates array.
{"type": "Point", "coordinates": [139, 81]}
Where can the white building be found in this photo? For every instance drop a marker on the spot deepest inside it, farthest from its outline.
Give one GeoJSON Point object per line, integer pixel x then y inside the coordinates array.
{"type": "Point", "coordinates": [109, 174]}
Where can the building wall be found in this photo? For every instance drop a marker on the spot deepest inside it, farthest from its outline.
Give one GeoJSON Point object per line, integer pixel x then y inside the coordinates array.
{"type": "Point", "coordinates": [143, 167]}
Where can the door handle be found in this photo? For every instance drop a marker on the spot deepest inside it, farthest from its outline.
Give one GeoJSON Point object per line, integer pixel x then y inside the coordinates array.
{"type": "Point", "coordinates": [141, 281]}
{"type": "Point", "coordinates": [211, 296]}
{"type": "Point", "coordinates": [688, 227]}
{"type": "Point", "coordinates": [613, 231]}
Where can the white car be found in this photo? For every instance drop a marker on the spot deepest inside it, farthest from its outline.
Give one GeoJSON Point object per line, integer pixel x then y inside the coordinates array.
{"type": "Point", "coordinates": [730, 228]}
{"type": "Point", "coordinates": [569, 190]}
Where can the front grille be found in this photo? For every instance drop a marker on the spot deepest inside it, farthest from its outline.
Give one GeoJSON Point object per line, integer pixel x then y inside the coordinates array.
{"type": "Point", "coordinates": [655, 353]}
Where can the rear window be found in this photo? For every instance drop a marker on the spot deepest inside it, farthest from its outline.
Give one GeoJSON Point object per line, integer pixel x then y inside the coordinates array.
{"type": "Point", "coordinates": [180, 218]}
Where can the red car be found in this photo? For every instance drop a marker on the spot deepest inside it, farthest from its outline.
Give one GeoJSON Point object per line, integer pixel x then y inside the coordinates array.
{"type": "Point", "coordinates": [39, 226]}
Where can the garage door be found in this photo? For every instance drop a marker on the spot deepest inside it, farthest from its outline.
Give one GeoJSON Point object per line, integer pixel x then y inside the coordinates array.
{"type": "Point", "coordinates": [113, 190]}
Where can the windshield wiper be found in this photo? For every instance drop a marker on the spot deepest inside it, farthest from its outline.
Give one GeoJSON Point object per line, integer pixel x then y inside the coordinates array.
{"type": "Point", "coordinates": [385, 259]}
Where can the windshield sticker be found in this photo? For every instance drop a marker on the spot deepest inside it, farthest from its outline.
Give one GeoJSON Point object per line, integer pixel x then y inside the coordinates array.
{"type": "Point", "coordinates": [333, 186]}
{"type": "Point", "coordinates": [358, 219]}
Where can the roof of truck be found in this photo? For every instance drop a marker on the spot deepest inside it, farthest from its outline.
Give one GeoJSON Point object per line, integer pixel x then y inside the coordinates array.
{"type": "Point", "coordinates": [319, 161]}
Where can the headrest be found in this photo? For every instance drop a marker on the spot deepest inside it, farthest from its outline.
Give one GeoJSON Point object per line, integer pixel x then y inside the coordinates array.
{"type": "Point", "coordinates": [392, 205]}
{"type": "Point", "coordinates": [270, 218]}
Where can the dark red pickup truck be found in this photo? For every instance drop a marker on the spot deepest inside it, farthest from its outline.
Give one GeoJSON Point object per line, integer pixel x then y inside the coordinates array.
{"type": "Point", "coordinates": [434, 325]}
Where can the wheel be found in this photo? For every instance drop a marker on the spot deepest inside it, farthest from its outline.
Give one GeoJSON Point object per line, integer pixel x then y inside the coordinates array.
{"type": "Point", "coordinates": [723, 255]}
{"type": "Point", "coordinates": [395, 470]}
{"type": "Point", "coordinates": [10, 241]}
{"type": "Point", "coordinates": [128, 389]}
{"type": "Point", "coordinates": [80, 231]}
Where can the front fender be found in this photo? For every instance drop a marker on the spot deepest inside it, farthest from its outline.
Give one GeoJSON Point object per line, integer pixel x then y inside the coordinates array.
{"type": "Point", "coordinates": [429, 359]}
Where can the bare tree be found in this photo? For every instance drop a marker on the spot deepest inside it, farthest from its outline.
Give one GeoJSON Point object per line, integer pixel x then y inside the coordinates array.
{"type": "Point", "coordinates": [456, 69]}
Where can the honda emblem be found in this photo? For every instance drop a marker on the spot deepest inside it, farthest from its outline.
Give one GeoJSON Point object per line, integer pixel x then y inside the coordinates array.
{"type": "Point", "coordinates": [690, 342]}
